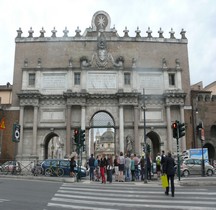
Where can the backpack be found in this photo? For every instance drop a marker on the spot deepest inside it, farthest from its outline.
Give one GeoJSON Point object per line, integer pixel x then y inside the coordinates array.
{"type": "Point", "coordinates": [158, 161]}
{"type": "Point", "coordinates": [96, 163]}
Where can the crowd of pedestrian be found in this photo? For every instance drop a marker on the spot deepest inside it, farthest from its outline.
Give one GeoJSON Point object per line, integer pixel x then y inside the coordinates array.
{"type": "Point", "coordinates": [125, 168]}
{"type": "Point", "coordinates": [129, 168]}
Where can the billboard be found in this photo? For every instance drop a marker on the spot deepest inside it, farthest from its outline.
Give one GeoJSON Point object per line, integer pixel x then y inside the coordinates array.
{"type": "Point", "coordinates": [197, 153]}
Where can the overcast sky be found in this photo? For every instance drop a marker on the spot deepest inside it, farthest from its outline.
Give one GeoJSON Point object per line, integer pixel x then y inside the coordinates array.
{"type": "Point", "coordinates": [197, 17]}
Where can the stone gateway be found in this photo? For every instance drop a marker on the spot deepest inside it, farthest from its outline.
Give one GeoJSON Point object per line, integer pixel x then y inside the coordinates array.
{"type": "Point", "coordinates": [99, 79]}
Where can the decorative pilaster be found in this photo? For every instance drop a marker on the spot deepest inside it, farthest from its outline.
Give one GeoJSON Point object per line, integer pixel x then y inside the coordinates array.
{"type": "Point", "coordinates": [68, 132]}
{"type": "Point", "coordinates": [136, 134]}
{"type": "Point", "coordinates": [121, 129]}
{"type": "Point", "coordinates": [169, 130]}
{"type": "Point", "coordinates": [35, 120]}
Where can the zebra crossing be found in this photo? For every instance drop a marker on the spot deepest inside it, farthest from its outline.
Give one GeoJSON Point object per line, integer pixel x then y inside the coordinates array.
{"type": "Point", "coordinates": [119, 196]}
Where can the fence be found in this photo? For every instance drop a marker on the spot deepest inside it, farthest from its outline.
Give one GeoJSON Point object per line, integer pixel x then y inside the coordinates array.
{"type": "Point", "coordinates": [25, 168]}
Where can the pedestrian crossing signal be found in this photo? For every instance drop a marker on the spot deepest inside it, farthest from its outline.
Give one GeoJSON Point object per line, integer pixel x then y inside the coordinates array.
{"type": "Point", "coordinates": [76, 136]}
{"type": "Point", "coordinates": [175, 129]}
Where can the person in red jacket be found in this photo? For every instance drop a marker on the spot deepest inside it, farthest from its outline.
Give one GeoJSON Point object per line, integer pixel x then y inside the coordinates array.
{"type": "Point", "coordinates": [103, 165]}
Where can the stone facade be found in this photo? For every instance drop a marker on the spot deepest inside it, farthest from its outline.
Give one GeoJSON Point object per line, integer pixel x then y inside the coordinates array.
{"type": "Point", "coordinates": [203, 100]}
{"type": "Point", "coordinates": [61, 83]}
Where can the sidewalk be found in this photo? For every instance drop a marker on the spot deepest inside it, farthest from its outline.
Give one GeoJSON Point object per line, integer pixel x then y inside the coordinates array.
{"type": "Point", "coordinates": [65, 179]}
{"type": "Point", "coordinates": [189, 181]}
{"type": "Point", "coordinates": [198, 181]}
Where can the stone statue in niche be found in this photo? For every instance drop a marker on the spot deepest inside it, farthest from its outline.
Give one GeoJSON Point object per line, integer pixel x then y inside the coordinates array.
{"type": "Point", "coordinates": [129, 144]}
{"type": "Point", "coordinates": [164, 63]}
{"type": "Point", "coordinates": [177, 63]}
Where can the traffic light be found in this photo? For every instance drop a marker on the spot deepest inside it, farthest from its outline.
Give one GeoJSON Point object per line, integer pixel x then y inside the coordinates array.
{"type": "Point", "coordinates": [175, 129]}
{"type": "Point", "coordinates": [148, 148]}
{"type": "Point", "coordinates": [76, 136]}
{"type": "Point", "coordinates": [82, 137]}
{"type": "Point", "coordinates": [16, 133]}
{"type": "Point", "coordinates": [84, 148]}
{"type": "Point", "coordinates": [181, 129]}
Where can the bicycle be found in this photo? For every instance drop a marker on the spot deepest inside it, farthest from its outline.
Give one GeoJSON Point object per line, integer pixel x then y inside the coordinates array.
{"type": "Point", "coordinates": [54, 171]}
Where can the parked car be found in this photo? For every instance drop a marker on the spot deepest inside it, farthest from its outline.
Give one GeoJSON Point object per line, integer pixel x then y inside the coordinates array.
{"type": "Point", "coordinates": [64, 164]}
{"type": "Point", "coordinates": [194, 166]}
{"type": "Point", "coordinates": [12, 166]}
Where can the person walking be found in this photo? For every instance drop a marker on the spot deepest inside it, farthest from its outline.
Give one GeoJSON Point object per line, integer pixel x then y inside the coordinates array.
{"type": "Point", "coordinates": [116, 167]}
{"type": "Point", "coordinates": [109, 168]}
{"type": "Point", "coordinates": [136, 163]}
{"type": "Point", "coordinates": [121, 167]}
{"type": "Point", "coordinates": [91, 167]}
{"type": "Point", "coordinates": [72, 166]}
{"type": "Point", "coordinates": [169, 169]}
{"type": "Point", "coordinates": [142, 167]}
{"type": "Point", "coordinates": [163, 157]}
{"type": "Point", "coordinates": [97, 168]}
{"type": "Point", "coordinates": [132, 168]}
{"type": "Point", "coordinates": [103, 165]}
{"type": "Point", "coordinates": [158, 165]}
{"type": "Point", "coordinates": [127, 168]}
{"type": "Point", "coordinates": [148, 167]}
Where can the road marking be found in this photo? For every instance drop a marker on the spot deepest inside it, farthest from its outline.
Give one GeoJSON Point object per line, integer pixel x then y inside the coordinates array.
{"type": "Point", "coordinates": [3, 200]}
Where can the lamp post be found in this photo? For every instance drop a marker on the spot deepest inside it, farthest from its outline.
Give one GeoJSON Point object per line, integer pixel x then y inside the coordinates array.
{"type": "Point", "coordinates": [202, 138]}
{"type": "Point", "coordinates": [145, 146]}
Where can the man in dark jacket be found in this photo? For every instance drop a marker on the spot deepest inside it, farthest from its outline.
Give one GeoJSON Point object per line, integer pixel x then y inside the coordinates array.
{"type": "Point", "coordinates": [169, 169]}
{"type": "Point", "coordinates": [92, 167]}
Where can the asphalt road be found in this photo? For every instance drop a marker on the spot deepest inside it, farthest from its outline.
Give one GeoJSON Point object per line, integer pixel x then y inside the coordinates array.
{"type": "Point", "coordinates": [26, 194]}
{"type": "Point", "coordinates": [16, 194]}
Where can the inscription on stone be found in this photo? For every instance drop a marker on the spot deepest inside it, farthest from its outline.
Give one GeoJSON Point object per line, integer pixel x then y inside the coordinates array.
{"type": "Point", "coordinates": [152, 83]}
{"type": "Point", "coordinates": [102, 80]}
{"type": "Point", "coordinates": [54, 81]}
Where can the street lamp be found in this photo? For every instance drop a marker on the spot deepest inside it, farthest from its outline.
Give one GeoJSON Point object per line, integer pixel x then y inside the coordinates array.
{"type": "Point", "coordinates": [145, 145]}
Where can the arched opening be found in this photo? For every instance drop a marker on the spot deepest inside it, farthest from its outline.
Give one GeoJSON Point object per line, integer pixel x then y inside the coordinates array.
{"type": "Point", "coordinates": [102, 134]}
{"type": "Point", "coordinates": [211, 152]}
{"type": "Point", "coordinates": [154, 141]}
{"type": "Point", "coordinates": [53, 147]}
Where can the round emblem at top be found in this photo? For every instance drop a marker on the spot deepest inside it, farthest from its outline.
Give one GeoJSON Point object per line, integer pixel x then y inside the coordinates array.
{"type": "Point", "coordinates": [101, 21]}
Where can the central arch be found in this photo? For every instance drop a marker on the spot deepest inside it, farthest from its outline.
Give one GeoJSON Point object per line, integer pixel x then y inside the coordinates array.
{"type": "Point", "coordinates": [102, 135]}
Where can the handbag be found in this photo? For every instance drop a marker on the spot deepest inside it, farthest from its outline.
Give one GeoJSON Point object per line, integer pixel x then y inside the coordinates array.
{"type": "Point", "coordinates": [164, 181]}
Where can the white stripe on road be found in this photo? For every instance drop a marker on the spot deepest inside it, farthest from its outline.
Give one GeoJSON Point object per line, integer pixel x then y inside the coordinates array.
{"type": "Point", "coordinates": [144, 191]}
{"type": "Point", "coordinates": [76, 207]}
{"type": "Point", "coordinates": [159, 206]}
{"type": "Point", "coordinates": [3, 200]}
{"type": "Point", "coordinates": [136, 195]}
{"type": "Point", "coordinates": [168, 200]}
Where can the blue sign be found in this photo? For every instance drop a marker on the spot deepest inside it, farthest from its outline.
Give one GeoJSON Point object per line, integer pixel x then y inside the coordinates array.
{"type": "Point", "coordinates": [197, 153]}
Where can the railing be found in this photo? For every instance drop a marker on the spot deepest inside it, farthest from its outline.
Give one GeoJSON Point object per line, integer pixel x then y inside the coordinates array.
{"type": "Point", "coordinates": [25, 168]}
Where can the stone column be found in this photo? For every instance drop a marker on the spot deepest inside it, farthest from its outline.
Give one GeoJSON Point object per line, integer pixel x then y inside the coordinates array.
{"type": "Point", "coordinates": [35, 123]}
{"type": "Point", "coordinates": [68, 132]}
{"type": "Point", "coordinates": [183, 141]}
{"type": "Point", "coordinates": [179, 82]}
{"type": "Point", "coordinates": [169, 130]}
{"type": "Point", "coordinates": [20, 144]}
{"type": "Point", "coordinates": [136, 133]}
{"type": "Point", "coordinates": [121, 129]}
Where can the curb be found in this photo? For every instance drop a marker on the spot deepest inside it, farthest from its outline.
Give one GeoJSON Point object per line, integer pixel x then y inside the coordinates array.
{"type": "Point", "coordinates": [44, 178]}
